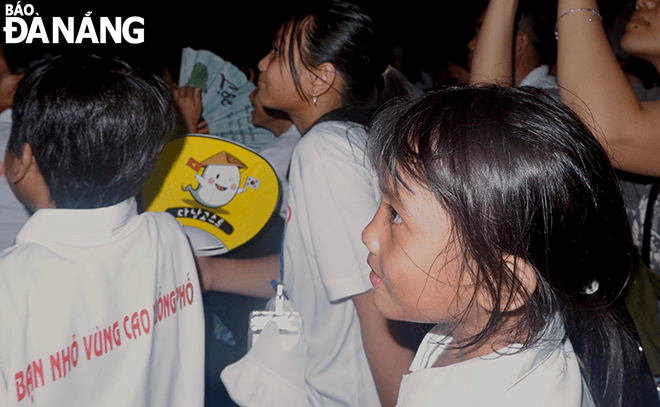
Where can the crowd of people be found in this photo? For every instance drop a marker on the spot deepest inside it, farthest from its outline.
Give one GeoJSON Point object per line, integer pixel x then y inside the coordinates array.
{"type": "Point", "coordinates": [485, 236]}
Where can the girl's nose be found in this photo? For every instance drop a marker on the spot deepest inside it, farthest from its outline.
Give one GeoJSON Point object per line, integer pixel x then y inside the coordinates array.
{"type": "Point", "coordinates": [370, 236]}
{"type": "Point", "coordinates": [263, 63]}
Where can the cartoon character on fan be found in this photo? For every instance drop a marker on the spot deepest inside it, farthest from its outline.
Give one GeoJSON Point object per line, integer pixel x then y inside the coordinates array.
{"type": "Point", "coordinates": [220, 180]}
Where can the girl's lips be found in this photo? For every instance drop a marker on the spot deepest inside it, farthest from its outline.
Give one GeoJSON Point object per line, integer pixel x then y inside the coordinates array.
{"type": "Point", "coordinates": [374, 278]}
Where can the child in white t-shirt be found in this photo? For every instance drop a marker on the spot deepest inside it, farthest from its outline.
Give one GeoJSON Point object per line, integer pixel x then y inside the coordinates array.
{"type": "Point", "coordinates": [99, 306]}
{"type": "Point", "coordinates": [501, 222]}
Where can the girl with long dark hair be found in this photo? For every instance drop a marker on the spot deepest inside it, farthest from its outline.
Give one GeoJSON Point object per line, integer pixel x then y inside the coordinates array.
{"type": "Point", "coordinates": [501, 221]}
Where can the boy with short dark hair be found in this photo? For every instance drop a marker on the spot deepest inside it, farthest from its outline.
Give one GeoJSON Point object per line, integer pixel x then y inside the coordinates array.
{"type": "Point", "coordinates": [98, 305]}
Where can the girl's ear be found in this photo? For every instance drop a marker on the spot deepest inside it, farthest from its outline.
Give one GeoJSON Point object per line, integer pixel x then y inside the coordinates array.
{"type": "Point", "coordinates": [525, 276]}
{"type": "Point", "coordinates": [325, 77]}
{"type": "Point", "coordinates": [516, 296]}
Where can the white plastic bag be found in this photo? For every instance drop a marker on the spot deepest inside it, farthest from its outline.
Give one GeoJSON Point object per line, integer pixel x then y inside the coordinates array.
{"type": "Point", "coordinates": [272, 373]}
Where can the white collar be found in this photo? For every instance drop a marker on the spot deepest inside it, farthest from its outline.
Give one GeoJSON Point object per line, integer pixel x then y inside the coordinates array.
{"type": "Point", "coordinates": [540, 78]}
{"type": "Point", "coordinates": [5, 117]}
{"type": "Point", "coordinates": [435, 342]}
{"type": "Point", "coordinates": [78, 227]}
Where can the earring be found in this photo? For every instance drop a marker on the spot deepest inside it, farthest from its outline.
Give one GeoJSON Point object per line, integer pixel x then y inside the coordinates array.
{"type": "Point", "coordinates": [314, 100]}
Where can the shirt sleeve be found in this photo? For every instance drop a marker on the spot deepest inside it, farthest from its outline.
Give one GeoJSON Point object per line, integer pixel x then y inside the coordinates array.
{"type": "Point", "coordinates": [340, 200]}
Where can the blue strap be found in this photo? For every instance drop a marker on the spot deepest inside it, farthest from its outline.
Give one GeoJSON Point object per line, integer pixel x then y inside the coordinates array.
{"type": "Point", "coordinates": [274, 283]}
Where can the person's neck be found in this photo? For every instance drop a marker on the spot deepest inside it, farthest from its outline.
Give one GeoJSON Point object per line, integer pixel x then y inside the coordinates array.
{"type": "Point", "coordinates": [473, 323]}
{"type": "Point", "coordinates": [311, 114]}
{"type": "Point", "coordinates": [279, 127]}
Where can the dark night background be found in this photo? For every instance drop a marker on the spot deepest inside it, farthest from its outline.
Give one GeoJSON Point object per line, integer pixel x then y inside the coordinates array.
{"type": "Point", "coordinates": [241, 31]}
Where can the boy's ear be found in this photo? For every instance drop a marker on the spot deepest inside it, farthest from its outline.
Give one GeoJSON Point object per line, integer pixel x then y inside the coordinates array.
{"type": "Point", "coordinates": [17, 167]}
{"type": "Point", "coordinates": [325, 76]}
{"type": "Point", "coordinates": [26, 181]}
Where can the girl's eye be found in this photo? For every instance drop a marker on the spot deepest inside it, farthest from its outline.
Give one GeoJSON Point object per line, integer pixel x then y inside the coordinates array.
{"type": "Point", "coordinates": [394, 216]}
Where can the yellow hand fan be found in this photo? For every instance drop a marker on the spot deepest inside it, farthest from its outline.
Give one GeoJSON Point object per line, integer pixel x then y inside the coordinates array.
{"type": "Point", "coordinates": [221, 192]}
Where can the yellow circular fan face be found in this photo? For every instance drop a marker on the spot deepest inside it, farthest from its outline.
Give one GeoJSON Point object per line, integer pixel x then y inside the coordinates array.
{"type": "Point", "coordinates": [221, 192]}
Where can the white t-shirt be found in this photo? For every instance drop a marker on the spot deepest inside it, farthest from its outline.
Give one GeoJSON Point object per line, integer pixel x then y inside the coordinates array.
{"type": "Point", "coordinates": [541, 78]}
{"type": "Point", "coordinates": [546, 375]}
{"type": "Point", "coordinates": [278, 154]}
{"type": "Point", "coordinates": [332, 197]}
{"type": "Point", "coordinates": [13, 214]}
{"type": "Point", "coordinates": [101, 307]}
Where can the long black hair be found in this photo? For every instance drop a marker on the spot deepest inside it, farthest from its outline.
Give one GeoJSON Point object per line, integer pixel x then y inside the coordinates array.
{"type": "Point", "coordinates": [346, 36]}
{"type": "Point", "coordinates": [521, 176]}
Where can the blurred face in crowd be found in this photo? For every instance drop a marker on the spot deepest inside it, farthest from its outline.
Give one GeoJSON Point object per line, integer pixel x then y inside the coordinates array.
{"type": "Point", "coordinates": [642, 36]}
